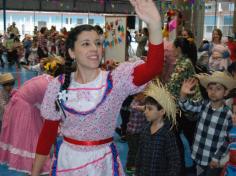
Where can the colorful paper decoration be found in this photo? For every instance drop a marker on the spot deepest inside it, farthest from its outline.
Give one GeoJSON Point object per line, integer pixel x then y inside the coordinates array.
{"type": "Point", "coordinates": [173, 24]}
{"type": "Point", "coordinates": [114, 34]}
{"type": "Point", "coordinates": [186, 5]}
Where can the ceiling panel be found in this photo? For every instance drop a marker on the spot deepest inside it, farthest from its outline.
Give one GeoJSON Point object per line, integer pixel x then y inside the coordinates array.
{"type": "Point", "coordinates": [98, 6]}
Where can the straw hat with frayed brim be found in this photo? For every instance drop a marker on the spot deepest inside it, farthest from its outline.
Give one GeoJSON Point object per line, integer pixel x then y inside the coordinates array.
{"type": "Point", "coordinates": [6, 78]}
{"type": "Point", "coordinates": [159, 92]}
{"type": "Point", "coordinates": [217, 77]}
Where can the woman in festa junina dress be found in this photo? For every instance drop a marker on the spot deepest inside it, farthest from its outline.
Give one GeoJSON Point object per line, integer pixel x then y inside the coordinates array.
{"type": "Point", "coordinates": [88, 101]}
{"type": "Point", "coordinates": [22, 122]}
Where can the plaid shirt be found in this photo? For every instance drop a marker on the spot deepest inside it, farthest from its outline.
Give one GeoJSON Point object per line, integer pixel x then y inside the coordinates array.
{"type": "Point", "coordinates": [137, 119]}
{"type": "Point", "coordinates": [158, 154]}
{"type": "Point", "coordinates": [211, 138]}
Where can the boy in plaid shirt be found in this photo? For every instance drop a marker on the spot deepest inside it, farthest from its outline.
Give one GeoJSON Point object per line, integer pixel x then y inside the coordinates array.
{"type": "Point", "coordinates": [214, 120]}
{"type": "Point", "coordinates": [158, 153]}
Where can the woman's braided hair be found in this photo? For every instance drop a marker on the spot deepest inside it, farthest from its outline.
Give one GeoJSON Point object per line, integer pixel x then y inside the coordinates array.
{"type": "Point", "coordinates": [70, 44]}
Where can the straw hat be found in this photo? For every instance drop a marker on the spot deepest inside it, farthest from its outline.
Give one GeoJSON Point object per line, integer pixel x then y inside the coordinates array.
{"type": "Point", "coordinates": [160, 93]}
{"type": "Point", "coordinates": [6, 78]}
{"type": "Point", "coordinates": [217, 77]}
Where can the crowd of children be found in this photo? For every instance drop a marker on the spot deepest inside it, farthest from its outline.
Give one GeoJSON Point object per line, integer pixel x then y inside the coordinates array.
{"type": "Point", "coordinates": [158, 151]}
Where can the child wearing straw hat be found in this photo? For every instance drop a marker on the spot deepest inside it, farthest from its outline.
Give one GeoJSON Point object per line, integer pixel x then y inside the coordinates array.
{"type": "Point", "coordinates": [214, 120]}
{"type": "Point", "coordinates": [7, 81]}
{"type": "Point", "coordinates": [158, 152]}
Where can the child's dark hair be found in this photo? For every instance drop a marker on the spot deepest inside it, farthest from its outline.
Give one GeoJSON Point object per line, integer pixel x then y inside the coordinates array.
{"type": "Point", "coordinates": [188, 48]}
{"type": "Point", "coordinates": [145, 31]}
{"type": "Point", "coordinates": [70, 44]}
{"type": "Point", "coordinates": [98, 29]}
{"type": "Point", "coordinates": [151, 101]}
{"type": "Point", "coordinates": [43, 30]}
{"type": "Point", "coordinates": [11, 83]}
{"type": "Point", "coordinates": [189, 32]}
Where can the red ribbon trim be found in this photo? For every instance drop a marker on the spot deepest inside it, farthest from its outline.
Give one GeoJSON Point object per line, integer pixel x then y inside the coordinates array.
{"type": "Point", "coordinates": [88, 143]}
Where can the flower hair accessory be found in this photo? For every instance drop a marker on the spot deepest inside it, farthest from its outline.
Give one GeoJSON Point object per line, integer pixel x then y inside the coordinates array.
{"type": "Point", "coordinates": [50, 64]}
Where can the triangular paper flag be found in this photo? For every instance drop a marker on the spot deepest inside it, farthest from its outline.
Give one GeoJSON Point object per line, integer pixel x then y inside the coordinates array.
{"type": "Point", "coordinates": [173, 24]}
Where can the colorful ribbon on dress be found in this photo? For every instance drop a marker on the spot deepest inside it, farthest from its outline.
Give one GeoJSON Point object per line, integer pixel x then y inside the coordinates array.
{"type": "Point", "coordinates": [88, 143]}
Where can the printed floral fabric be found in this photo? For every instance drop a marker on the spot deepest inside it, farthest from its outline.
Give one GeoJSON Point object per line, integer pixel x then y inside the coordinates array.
{"type": "Point", "coordinates": [183, 70]}
{"type": "Point", "coordinates": [99, 124]}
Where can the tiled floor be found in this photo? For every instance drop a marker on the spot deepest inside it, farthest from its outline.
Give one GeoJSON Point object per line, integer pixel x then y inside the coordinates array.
{"type": "Point", "coordinates": [21, 76]}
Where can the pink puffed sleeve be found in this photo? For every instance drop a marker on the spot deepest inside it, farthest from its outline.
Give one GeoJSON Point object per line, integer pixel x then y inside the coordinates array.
{"type": "Point", "coordinates": [123, 77]}
{"type": "Point", "coordinates": [48, 107]}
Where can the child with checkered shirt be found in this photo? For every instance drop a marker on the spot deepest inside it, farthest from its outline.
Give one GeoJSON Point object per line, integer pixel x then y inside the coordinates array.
{"type": "Point", "coordinates": [158, 153]}
{"type": "Point", "coordinates": [214, 120]}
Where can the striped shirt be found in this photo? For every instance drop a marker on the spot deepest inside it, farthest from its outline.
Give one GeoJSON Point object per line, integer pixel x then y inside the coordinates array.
{"type": "Point", "coordinates": [137, 119]}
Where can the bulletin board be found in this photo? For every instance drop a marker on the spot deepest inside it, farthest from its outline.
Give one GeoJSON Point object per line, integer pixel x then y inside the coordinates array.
{"type": "Point", "coordinates": [115, 38]}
